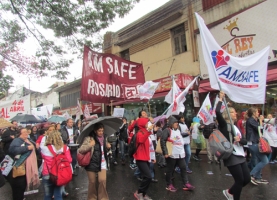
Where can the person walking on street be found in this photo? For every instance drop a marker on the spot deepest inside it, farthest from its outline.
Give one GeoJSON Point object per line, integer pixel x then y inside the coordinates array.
{"type": "Point", "coordinates": [177, 157]}
{"type": "Point", "coordinates": [55, 142]}
{"type": "Point", "coordinates": [97, 167]}
{"type": "Point", "coordinates": [24, 149]}
{"type": "Point", "coordinates": [142, 157]}
{"type": "Point", "coordinates": [68, 135]}
{"type": "Point", "coordinates": [123, 139]}
{"type": "Point", "coordinates": [253, 125]}
{"type": "Point", "coordinates": [236, 163]}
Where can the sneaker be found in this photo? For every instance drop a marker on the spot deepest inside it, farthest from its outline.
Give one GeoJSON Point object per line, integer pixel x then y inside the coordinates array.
{"type": "Point", "coordinates": [275, 161]}
{"type": "Point", "coordinates": [178, 170]}
{"type": "Point", "coordinates": [171, 188]}
{"type": "Point", "coordinates": [228, 195]}
{"type": "Point", "coordinates": [189, 171]}
{"type": "Point", "coordinates": [139, 178]}
{"type": "Point", "coordinates": [262, 181]}
{"type": "Point", "coordinates": [272, 162]}
{"type": "Point", "coordinates": [135, 166]}
{"type": "Point", "coordinates": [115, 163]}
{"type": "Point", "coordinates": [254, 181]}
{"type": "Point", "coordinates": [132, 166]}
{"type": "Point", "coordinates": [146, 197]}
{"type": "Point", "coordinates": [195, 157]}
{"type": "Point", "coordinates": [139, 196]}
{"type": "Point", "coordinates": [210, 161]}
{"type": "Point", "coordinates": [188, 187]}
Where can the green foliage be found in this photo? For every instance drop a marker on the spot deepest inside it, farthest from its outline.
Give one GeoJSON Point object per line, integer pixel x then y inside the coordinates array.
{"type": "Point", "coordinates": [5, 83]}
{"type": "Point", "coordinates": [73, 22]}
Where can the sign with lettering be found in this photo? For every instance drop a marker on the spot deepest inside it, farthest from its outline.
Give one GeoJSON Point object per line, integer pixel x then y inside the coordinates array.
{"type": "Point", "coordinates": [11, 108]}
{"type": "Point", "coordinates": [108, 77]}
{"type": "Point", "coordinates": [244, 34]}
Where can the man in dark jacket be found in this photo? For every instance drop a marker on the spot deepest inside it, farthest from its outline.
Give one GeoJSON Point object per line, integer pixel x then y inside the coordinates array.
{"type": "Point", "coordinates": [8, 136]}
{"type": "Point", "coordinates": [69, 138]}
{"type": "Point", "coordinates": [123, 139]}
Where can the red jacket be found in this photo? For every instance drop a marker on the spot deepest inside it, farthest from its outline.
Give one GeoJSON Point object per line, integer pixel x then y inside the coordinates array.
{"type": "Point", "coordinates": [143, 146]}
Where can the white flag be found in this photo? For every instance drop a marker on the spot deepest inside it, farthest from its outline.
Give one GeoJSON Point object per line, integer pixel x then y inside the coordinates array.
{"type": "Point", "coordinates": [206, 111]}
{"type": "Point", "coordinates": [223, 106]}
{"type": "Point", "coordinates": [86, 112]}
{"type": "Point", "coordinates": [178, 105]}
{"type": "Point", "coordinates": [147, 90]}
{"type": "Point", "coordinates": [174, 92]}
{"type": "Point", "coordinates": [79, 111]}
{"type": "Point", "coordinates": [242, 79]}
{"type": "Point", "coordinates": [66, 115]}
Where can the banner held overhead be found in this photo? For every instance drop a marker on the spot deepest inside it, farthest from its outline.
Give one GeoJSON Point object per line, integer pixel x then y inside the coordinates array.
{"type": "Point", "coordinates": [108, 77]}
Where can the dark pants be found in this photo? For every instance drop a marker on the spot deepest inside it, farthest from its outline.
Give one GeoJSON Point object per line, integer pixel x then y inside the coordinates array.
{"type": "Point", "coordinates": [18, 186]}
{"type": "Point", "coordinates": [73, 152]}
{"type": "Point", "coordinates": [197, 152]}
{"type": "Point", "coordinates": [171, 164]}
{"type": "Point", "coordinates": [144, 169]}
{"type": "Point", "coordinates": [241, 175]}
{"type": "Point", "coordinates": [273, 154]}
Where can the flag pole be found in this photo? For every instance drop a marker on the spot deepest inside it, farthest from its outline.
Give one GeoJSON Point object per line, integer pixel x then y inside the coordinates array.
{"type": "Point", "coordinates": [149, 107]}
{"type": "Point", "coordinates": [228, 112]}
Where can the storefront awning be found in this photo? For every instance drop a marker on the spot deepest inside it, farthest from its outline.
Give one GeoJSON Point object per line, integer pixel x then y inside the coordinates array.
{"type": "Point", "coordinates": [205, 86]}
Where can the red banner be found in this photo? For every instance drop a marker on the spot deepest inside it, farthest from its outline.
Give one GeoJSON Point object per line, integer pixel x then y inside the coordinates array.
{"type": "Point", "coordinates": [108, 77]}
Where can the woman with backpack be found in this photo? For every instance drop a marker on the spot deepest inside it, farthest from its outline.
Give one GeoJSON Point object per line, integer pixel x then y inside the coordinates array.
{"type": "Point", "coordinates": [98, 162]}
{"type": "Point", "coordinates": [236, 163]}
{"type": "Point", "coordinates": [53, 145]}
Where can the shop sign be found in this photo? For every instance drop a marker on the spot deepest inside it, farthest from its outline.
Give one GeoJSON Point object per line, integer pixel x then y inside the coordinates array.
{"type": "Point", "coordinates": [182, 80]}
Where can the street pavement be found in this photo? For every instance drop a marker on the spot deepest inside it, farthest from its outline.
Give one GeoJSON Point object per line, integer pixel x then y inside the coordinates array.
{"type": "Point", "coordinates": [207, 178]}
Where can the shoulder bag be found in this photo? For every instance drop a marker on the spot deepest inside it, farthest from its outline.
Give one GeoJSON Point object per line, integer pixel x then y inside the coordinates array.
{"type": "Point", "coordinates": [84, 159]}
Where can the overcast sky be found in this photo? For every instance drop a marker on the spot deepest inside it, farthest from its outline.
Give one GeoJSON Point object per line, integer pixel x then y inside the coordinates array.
{"type": "Point", "coordinates": [142, 8]}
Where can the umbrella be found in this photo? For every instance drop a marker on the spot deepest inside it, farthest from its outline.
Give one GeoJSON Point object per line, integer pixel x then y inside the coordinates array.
{"type": "Point", "coordinates": [26, 119]}
{"type": "Point", "coordinates": [4, 123]}
{"type": "Point", "coordinates": [111, 125]}
{"type": "Point", "coordinates": [56, 119]}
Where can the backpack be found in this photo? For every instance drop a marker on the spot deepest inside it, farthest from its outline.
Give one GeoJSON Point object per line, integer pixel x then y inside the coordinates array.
{"type": "Point", "coordinates": [220, 146]}
{"type": "Point", "coordinates": [60, 171]}
{"type": "Point", "coordinates": [132, 148]}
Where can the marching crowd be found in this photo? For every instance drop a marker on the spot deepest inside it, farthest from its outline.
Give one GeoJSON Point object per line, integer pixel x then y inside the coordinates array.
{"type": "Point", "coordinates": [146, 143]}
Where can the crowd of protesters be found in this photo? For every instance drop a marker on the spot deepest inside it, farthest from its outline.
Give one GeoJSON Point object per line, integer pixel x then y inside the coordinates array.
{"type": "Point", "coordinates": [245, 165]}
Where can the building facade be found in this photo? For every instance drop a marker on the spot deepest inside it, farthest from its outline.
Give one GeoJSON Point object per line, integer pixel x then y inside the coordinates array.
{"type": "Point", "coordinates": [165, 40]}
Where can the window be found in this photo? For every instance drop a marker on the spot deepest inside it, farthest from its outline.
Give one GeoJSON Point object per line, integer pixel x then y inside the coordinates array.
{"type": "Point", "coordinates": [125, 54]}
{"type": "Point", "coordinates": [69, 100]}
{"type": "Point", "coordinates": [179, 37]}
{"type": "Point", "coordinates": [207, 4]}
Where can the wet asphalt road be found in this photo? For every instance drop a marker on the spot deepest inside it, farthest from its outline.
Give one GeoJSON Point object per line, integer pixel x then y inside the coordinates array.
{"type": "Point", "coordinates": [121, 184]}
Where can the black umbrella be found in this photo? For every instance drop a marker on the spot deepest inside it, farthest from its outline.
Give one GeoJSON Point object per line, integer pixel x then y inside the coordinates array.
{"type": "Point", "coordinates": [26, 119]}
{"type": "Point", "coordinates": [111, 125]}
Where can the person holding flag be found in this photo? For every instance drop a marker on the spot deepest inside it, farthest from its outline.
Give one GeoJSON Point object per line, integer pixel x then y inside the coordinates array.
{"type": "Point", "coordinates": [236, 163]}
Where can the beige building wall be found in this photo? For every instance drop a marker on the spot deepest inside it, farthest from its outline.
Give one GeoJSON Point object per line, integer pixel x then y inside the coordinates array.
{"type": "Point", "coordinates": [155, 49]}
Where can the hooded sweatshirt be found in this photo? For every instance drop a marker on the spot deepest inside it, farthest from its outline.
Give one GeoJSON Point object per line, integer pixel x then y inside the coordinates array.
{"type": "Point", "coordinates": [143, 145]}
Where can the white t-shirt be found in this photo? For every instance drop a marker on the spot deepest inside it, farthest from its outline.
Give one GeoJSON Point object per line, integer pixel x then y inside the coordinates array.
{"type": "Point", "coordinates": [177, 144]}
{"type": "Point", "coordinates": [103, 160]}
{"type": "Point", "coordinates": [184, 129]}
{"type": "Point", "coordinates": [70, 135]}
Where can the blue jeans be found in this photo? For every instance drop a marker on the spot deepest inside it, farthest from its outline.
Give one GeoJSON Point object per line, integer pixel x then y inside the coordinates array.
{"type": "Point", "coordinates": [50, 189]}
{"type": "Point", "coordinates": [261, 158]}
{"type": "Point", "coordinates": [122, 149]}
{"type": "Point", "coordinates": [188, 154]}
